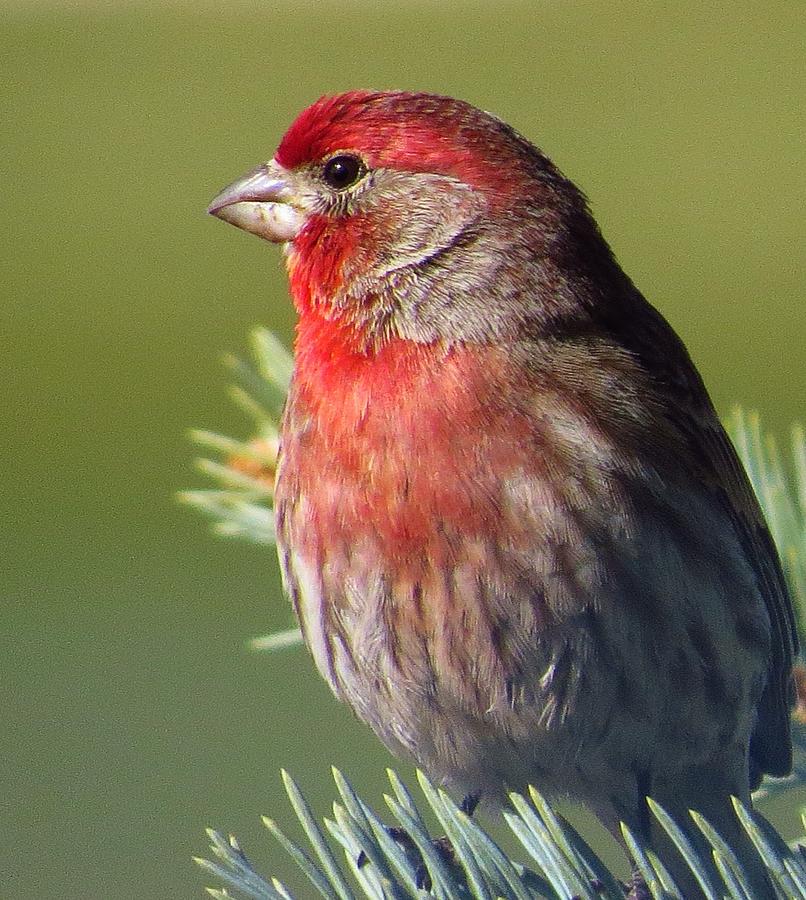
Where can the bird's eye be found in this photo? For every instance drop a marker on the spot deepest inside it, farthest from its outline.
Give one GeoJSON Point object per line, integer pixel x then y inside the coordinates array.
{"type": "Point", "coordinates": [343, 171]}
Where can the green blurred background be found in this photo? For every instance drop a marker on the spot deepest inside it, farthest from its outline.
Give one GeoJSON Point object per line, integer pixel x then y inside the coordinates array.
{"type": "Point", "coordinates": [133, 713]}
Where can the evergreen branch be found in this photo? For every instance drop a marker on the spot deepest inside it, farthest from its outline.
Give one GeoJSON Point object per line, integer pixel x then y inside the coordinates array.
{"type": "Point", "coordinates": [405, 862]}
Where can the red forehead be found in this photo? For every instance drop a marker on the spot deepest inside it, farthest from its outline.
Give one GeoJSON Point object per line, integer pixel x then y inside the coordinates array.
{"type": "Point", "coordinates": [416, 132]}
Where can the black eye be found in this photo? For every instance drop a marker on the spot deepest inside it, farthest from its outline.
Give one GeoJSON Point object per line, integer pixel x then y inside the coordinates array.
{"type": "Point", "coordinates": [343, 171]}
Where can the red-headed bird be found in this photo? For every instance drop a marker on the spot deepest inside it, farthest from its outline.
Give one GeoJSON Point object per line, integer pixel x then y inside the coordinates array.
{"type": "Point", "coordinates": [516, 536]}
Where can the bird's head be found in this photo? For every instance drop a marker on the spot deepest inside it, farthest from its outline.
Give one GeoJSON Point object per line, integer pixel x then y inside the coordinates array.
{"type": "Point", "coordinates": [419, 217]}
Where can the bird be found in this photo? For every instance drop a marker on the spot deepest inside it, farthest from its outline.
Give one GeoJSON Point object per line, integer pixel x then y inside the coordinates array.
{"type": "Point", "coordinates": [518, 540]}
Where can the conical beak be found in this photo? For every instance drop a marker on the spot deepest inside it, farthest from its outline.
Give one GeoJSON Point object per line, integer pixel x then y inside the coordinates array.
{"type": "Point", "coordinates": [261, 203]}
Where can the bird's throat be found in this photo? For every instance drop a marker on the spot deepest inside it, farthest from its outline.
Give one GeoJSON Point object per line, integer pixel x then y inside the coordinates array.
{"type": "Point", "coordinates": [335, 361]}
{"type": "Point", "coordinates": [388, 436]}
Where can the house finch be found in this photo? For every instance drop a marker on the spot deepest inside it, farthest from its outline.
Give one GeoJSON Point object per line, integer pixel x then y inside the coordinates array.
{"type": "Point", "coordinates": [518, 541]}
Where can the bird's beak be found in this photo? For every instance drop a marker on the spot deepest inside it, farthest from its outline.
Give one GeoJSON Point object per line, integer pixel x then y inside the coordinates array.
{"type": "Point", "coordinates": [262, 203]}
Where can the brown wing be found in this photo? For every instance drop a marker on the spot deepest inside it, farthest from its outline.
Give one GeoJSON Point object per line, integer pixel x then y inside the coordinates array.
{"type": "Point", "coordinates": [771, 743]}
{"type": "Point", "coordinates": [663, 355]}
